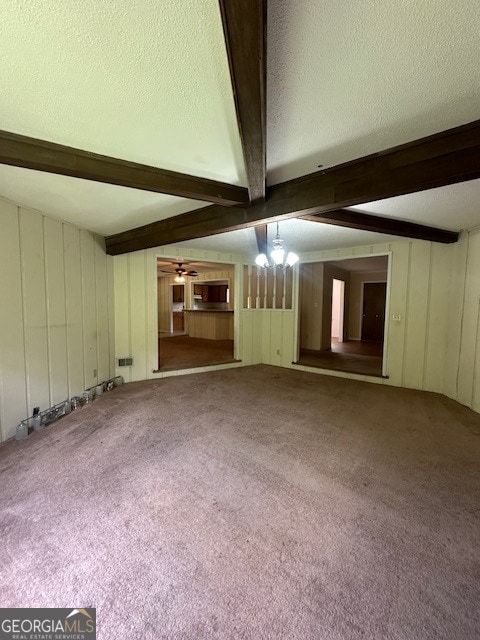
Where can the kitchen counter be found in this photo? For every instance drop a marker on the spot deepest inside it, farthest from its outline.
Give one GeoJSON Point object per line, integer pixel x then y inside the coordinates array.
{"type": "Point", "coordinates": [210, 324]}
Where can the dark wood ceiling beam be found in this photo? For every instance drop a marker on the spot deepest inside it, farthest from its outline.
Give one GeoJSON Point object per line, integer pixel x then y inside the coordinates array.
{"type": "Point", "coordinates": [446, 158]}
{"type": "Point", "coordinates": [30, 153]}
{"type": "Point", "coordinates": [261, 238]}
{"type": "Point", "coordinates": [379, 224]}
{"type": "Point", "coordinates": [244, 26]}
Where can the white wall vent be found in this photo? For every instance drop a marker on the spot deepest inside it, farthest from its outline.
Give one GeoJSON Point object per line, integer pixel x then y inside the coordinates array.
{"type": "Point", "coordinates": [125, 362]}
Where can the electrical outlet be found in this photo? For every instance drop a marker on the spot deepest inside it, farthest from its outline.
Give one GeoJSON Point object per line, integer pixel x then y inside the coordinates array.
{"type": "Point", "coordinates": [94, 373]}
{"type": "Point", "coordinates": [396, 317]}
{"type": "Point", "coordinates": [278, 352]}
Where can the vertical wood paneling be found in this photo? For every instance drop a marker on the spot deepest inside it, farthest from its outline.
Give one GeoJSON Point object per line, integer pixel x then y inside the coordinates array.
{"type": "Point", "coordinates": [13, 391]}
{"type": "Point", "coordinates": [101, 293]}
{"type": "Point", "coordinates": [46, 296]}
{"type": "Point", "coordinates": [151, 282]}
{"type": "Point", "coordinates": [122, 313]}
{"type": "Point", "coordinates": [138, 317]}
{"type": "Point", "coordinates": [311, 303]}
{"type": "Point", "coordinates": [111, 313]}
{"type": "Point", "coordinates": [398, 305]}
{"type": "Point", "coordinates": [475, 403]}
{"type": "Point", "coordinates": [90, 359]}
{"type": "Point", "coordinates": [470, 320]}
{"type": "Point", "coordinates": [56, 310]}
{"type": "Point", "coordinates": [246, 340]}
{"type": "Point", "coordinates": [455, 315]}
{"type": "Point", "coordinates": [288, 338]}
{"type": "Point", "coordinates": [266, 336]}
{"type": "Point", "coordinates": [34, 309]}
{"type": "Point", "coordinates": [416, 319]}
{"type": "Point", "coordinates": [437, 327]}
{"type": "Point", "coordinates": [276, 338]}
{"type": "Point", "coordinates": [73, 303]}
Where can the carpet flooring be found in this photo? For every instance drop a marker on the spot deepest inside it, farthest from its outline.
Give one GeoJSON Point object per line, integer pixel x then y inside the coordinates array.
{"type": "Point", "coordinates": [252, 503]}
{"type": "Point", "coordinates": [184, 352]}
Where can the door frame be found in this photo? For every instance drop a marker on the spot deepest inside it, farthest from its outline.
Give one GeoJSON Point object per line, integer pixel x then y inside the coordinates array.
{"type": "Point", "coordinates": [341, 324]}
{"type": "Point", "coordinates": [338, 258]}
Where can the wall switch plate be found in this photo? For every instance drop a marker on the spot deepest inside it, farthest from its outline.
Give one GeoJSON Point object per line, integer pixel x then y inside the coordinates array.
{"type": "Point", "coordinates": [397, 317]}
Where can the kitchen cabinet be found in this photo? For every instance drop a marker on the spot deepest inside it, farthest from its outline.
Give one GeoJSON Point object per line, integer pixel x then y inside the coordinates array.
{"type": "Point", "coordinates": [209, 324]}
{"type": "Point", "coordinates": [211, 292]}
{"type": "Point", "coordinates": [178, 293]}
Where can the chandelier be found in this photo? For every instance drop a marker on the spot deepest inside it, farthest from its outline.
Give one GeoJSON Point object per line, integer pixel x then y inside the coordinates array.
{"type": "Point", "coordinates": [279, 257]}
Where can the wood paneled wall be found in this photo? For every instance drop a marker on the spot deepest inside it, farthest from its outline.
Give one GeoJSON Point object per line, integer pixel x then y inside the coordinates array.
{"type": "Point", "coordinates": [462, 371]}
{"type": "Point", "coordinates": [56, 320]}
{"type": "Point", "coordinates": [419, 290]}
{"type": "Point", "coordinates": [434, 288]}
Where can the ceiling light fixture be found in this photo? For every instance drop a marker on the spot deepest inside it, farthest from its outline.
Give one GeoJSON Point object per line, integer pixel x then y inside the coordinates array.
{"type": "Point", "coordinates": [179, 279]}
{"type": "Point", "coordinates": [278, 256]}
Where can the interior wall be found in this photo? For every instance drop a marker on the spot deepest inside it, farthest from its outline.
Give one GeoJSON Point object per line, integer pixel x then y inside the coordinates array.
{"type": "Point", "coordinates": [311, 305]}
{"type": "Point", "coordinates": [56, 325]}
{"type": "Point", "coordinates": [462, 370]}
{"type": "Point", "coordinates": [433, 288]}
{"type": "Point", "coordinates": [163, 308]}
{"type": "Point", "coordinates": [316, 291]}
{"type": "Point", "coordinates": [356, 300]}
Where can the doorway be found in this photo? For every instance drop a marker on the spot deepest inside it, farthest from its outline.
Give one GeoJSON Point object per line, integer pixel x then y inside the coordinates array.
{"type": "Point", "coordinates": [196, 316]}
{"type": "Point", "coordinates": [333, 331]}
{"type": "Point", "coordinates": [338, 310]}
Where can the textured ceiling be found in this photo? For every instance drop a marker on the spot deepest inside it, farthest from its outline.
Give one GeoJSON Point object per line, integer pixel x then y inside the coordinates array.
{"type": "Point", "coordinates": [346, 79]}
{"type": "Point", "coordinates": [104, 209]}
{"type": "Point", "coordinates": [301, 236]}
{"type": "Point", "coordinates": [455, 207]}
{"type": "Point", "coordinates": [146, 81]}
{"type": "Point", "coordinates": [149, 82]}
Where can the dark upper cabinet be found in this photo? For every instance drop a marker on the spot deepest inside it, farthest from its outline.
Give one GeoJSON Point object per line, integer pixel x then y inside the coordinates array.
{"type": "Point", "coordinates": [211, 292]}
{"type": "Point", "coordinates": [178, 293]}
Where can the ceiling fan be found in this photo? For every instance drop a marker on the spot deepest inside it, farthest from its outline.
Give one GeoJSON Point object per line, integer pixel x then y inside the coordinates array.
{"type": "Point", "coordinates": [180, 270]}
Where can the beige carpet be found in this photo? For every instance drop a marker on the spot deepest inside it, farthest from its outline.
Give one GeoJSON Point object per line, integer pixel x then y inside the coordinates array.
{"type": "Point", "coordinates": [254, 503]}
